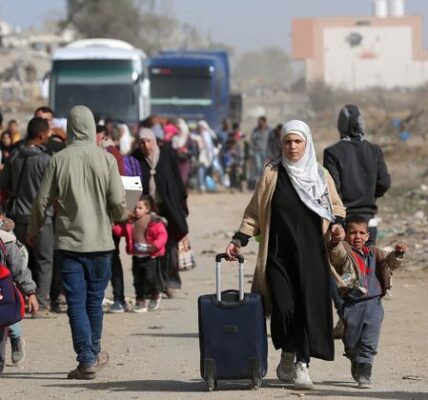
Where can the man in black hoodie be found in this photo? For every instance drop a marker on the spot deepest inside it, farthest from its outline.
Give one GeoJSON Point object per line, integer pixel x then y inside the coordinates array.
{"type": "Point", "coordinates": [21, 178]}
{"type": "Point", "coordinates": [357, 167]}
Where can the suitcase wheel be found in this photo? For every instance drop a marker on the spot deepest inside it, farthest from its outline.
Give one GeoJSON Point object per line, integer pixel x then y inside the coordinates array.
{"type": "Point", "coordinates": [256, 384]}
{"type": "Point", "coordinates": [212, 385]}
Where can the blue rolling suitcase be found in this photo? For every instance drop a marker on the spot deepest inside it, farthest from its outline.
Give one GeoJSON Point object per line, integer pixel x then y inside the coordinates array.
{"type": "Point", "coordinates": [232, 333]}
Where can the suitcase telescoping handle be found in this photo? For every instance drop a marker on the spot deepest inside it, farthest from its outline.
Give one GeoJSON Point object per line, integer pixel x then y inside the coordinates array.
{"type": "Point", "coordinates": [240, 259]}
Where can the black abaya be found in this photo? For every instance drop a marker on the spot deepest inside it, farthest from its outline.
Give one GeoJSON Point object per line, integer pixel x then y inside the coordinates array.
{"type": "Point", "coordinates": [173, 207]}
{"type": "Point", "coordinates": [298, 275]}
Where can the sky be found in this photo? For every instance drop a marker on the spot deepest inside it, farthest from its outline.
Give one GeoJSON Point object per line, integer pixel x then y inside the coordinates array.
{"type": "Point", "coordinates": [243, 24]}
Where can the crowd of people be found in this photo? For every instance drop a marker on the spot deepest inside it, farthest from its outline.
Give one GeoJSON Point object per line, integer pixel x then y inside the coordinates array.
{"type": "Point", "coordinates": [62, 199]}
{"type": "Point", "coordinates": [226, 158]}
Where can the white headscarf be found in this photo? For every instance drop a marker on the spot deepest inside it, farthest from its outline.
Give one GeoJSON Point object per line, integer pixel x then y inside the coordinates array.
{"type": "Point", "coordinates": [152, 159]}
{"type": "Point", "coordinates": [306, 175]}
{"type": "Point", "coordinates": [207, 152]}
{"type": "Point", "coordinates": [126, 139]}
{"type": "Point", "coordinates": [181, 139]}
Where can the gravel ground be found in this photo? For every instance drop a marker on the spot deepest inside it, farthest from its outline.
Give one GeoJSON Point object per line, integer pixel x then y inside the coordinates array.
{"type": "Point", "coordinates": [158, 351]}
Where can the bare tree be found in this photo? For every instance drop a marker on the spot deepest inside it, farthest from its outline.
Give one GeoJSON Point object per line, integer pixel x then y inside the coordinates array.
{"type": "Point", "coordinates": [147, 24]}
{"type": "Point", "coordinates": [118, 19]}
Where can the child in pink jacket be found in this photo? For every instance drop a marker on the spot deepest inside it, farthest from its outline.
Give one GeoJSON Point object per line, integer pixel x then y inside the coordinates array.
{"type": "Point", "coordinates": [146, 238]}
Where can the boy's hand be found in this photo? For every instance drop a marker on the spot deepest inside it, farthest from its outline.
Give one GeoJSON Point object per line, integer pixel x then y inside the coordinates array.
{"type": "Point", "coordinates": [33, 304]}
{"type": "Point", "coordinates": [400, 249]}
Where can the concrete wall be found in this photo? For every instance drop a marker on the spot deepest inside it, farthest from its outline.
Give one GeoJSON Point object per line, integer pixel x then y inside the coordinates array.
{"type": "Point", "coordinates": [357, 53]}
{"type": "Point", "coordinates": [383, 58]}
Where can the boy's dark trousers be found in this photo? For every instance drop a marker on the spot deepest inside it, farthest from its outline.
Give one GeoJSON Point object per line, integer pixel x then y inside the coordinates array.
{"type": "Point", "coordinates": [146, 277]}
{"type": "Point", "coordinates": [363, 321]}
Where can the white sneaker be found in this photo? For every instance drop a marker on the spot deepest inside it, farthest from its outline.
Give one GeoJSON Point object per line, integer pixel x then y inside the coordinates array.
{"type": "Point", "coordinates": [140, 306]}
{"type": "Point", "coordinates": [154, 304]}
{"type": "Point", "coordinates": [302, 380]}
{"type": "Point", "coordinates": [285, 370]}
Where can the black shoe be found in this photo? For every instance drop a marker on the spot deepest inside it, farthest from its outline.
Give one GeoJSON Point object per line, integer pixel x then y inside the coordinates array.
{"type": "Point", "coordinates": [355, 370]}
{"type": "Point", "coordinates": [56, 308]}
{"type": "Point", "coordinates": [365, 376]}
{"type": "Point", "coordinates": [18, 350]}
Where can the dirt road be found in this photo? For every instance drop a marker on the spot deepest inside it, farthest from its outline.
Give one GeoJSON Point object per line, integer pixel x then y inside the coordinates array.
{"type": "Point", "coordinates": [156, 355]}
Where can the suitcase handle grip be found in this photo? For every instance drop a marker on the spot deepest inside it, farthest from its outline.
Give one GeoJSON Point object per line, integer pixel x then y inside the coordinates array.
{"type": "Point", "coordinates": [222, 256]}
{"type": "Point", "coordinates": [218, 259]}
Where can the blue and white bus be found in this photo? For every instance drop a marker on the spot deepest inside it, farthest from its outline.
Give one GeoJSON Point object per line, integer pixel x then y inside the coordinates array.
{"type": "Point", "coordinates": [107, 75]}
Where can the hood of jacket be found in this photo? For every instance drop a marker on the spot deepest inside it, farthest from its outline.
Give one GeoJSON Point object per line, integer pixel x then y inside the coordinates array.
{"type": "Point", "coordinates": [29, 151]}
{"type": "Point", "coordinates": [155, 218]}
{"type": "Point", "coordinates": [350, 122]}
{"type": "Point", "coordinates": [81, 126]}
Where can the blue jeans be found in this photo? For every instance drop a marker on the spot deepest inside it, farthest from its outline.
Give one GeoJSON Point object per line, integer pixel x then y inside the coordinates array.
{"type": "Point", "coordinates": [15, 330]}
{"type": "Point", "coordinates": [202, 171]}
{"type": "Point", "coordinates": [85, 278]}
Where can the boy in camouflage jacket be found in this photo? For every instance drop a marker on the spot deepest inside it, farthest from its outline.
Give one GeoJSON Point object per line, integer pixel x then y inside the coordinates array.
{"type": "Point", "coordinates": [365, 274]}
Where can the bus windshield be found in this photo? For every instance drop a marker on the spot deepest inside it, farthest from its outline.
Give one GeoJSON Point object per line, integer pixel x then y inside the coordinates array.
{"type": "Point", "coordinates": [107, 87]}
{"type": "Point", "coordinates": [181, 86]}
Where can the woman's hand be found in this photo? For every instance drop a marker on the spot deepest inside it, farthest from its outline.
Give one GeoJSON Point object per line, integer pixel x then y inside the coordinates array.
{"type": "Point", "coordinates": [231, 250]}
{"type": "Point", "coordinates": [337, 233]}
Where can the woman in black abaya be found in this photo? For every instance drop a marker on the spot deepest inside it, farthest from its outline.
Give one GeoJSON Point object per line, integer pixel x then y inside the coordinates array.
{"type": "Point", "coordinates": [294, 207]}
{"type": "Point", "coordinates": [161, 180]}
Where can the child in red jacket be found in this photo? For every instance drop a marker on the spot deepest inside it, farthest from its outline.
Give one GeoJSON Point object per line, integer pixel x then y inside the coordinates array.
{"type": "Point", "coordinates": [146, 238]}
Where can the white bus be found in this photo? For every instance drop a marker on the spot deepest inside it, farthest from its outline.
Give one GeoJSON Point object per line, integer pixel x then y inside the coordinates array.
{"type": "Point", "coordinates": [107, 75]}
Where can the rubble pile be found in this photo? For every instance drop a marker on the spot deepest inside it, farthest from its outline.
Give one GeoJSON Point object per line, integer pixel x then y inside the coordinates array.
{"type": "Point", "coordinates": [405, 219]}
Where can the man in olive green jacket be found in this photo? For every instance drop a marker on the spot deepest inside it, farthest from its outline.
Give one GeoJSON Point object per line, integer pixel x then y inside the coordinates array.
{"type": "Point", "coordinates": [83, 183]}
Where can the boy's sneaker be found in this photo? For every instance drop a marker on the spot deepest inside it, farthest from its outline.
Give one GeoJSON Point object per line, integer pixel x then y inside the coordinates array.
{"type": "Point", "coordinates": [140, 306]}
{"type": "Point", "coordinates": [302, 381]}
{"type": "Point", "coordinates": [285, 370]}
{"type": "Point", "coordinates": [18, 350]}
{"type": "Point", "coordinates": [154, 302]}
{"type": "Point", "coordinates": [355, 370]}
{"type": "Point", "coordinates": [56, 308]}
{"type": "Point", "coordinates": [117, 307]}
{"type": "Point", "coordinates": [365, 376]}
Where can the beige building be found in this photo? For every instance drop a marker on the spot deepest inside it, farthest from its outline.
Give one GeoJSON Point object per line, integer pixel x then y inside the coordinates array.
{"type": "Point", "coordinates": [355, 53]}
